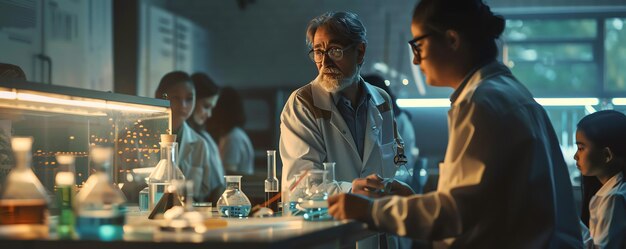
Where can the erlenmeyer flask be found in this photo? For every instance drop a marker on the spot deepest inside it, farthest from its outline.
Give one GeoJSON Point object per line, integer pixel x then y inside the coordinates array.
{"type": "Point", "coordinates": [23, 200]}
{"type": "Point", "coordinates": [165, 171]}
{"type": "Point", "coordinates": [101, 206]}
{"type": "Point", "coordinates": [233, 202]}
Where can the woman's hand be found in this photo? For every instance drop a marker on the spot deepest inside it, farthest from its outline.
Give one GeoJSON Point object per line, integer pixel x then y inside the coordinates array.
{"type": "Point", "coordinates": [350, 206]}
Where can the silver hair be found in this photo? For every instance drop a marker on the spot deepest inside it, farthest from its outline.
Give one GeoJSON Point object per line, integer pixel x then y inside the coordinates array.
{"type": "Point", "coordinates": [346, 24]}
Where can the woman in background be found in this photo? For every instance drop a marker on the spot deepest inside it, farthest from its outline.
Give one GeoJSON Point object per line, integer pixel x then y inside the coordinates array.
{"type": "Point", "coordinates": [226, 126]}
{"type": "Point", "coordinates": [193, 155]}
{"type": "Point", "coordinates": [601, 141]}
{"type": "Point", "coordinates": [207, 94]}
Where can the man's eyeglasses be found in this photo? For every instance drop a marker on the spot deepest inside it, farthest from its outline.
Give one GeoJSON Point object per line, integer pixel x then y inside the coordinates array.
{"type": "Point", "coordinates": [416, 48]}
{"type": "Point", "coordinates": [334, 54]}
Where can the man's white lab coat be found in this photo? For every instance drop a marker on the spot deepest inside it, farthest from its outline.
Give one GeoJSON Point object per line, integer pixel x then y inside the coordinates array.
{"type": "Point", "coordinates": [503, 182]}
{"type": "Point", "coordinates": [312, 131]}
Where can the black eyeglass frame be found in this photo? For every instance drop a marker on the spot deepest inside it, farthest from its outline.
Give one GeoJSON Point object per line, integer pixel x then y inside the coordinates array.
{"type": "Point", "coordinates": [416, 47]}
{"type": "Point", "coordinates": [325, 53]}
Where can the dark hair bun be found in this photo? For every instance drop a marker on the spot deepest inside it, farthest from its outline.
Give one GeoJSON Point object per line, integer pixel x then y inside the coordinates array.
{"type": "Point", "coordinates": [494, 24]}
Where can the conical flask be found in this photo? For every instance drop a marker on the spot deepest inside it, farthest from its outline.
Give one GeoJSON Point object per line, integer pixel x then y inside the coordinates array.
{"type": "Point", "coordinates": [169, 199]}
{"type": "Point", "coordinates": [233, 202]}
{"type": "Point", "coordinates": [100, 206]}
{"type": "Point", "coordinates": [23, 200]}
{"type": "Point", "coordinates": [166, 170]}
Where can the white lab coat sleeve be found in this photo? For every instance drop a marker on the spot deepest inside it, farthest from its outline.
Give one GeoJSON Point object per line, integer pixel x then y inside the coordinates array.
{"type": "Point", "coordinates": [301, 142]}
{"type": "Point", "coordinates": [469, 170]}
{"type": "Point", "coordinates": [612, 223]}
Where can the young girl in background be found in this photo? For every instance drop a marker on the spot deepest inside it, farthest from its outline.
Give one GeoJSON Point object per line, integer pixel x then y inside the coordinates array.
{"type": "Point", "coordinates": [601, 141]}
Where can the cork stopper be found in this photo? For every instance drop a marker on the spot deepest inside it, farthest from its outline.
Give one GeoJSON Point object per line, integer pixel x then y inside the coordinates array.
{"type": "Point", "coordinates": [167, 138]}
{"type": "Point", "coordinates": [21, 144]}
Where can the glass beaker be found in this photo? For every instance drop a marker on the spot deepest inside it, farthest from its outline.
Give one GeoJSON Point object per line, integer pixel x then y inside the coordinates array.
{"type": "Point", "coordinates": [331, 185]}
{"type": "Point", "coordinates": [233, 202]}
{"type": "Point", "coordinates": [315, 200]}
{"type": "Point", "coordinates": [101, 208]}
{"type": "Point", "coordinates": [165, 171]}
{"type": "Point", "coordinates": [23, 200]}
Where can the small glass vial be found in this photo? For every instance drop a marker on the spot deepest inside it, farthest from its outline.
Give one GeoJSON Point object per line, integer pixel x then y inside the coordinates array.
{"type": "Point", "coordinates": [144, 198]}
{"type": "Point", "coordinates": [23, 200]}
{"type": "Point", "coordinates": [271, 183]}
{"type": "Point", "coordinates": [233, 202]}
{"type": "Point", "coordinates": [65, 184]}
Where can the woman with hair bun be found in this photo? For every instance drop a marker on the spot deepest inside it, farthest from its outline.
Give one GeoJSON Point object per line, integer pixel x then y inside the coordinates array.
{"type": "Point", "coordinates": [503, 182]}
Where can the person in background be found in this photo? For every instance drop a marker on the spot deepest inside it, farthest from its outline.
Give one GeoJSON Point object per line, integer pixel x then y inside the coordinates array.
{"type": "Point", "coordinates": [193, 151]}
{"type": "Point", "coordinates": [226, 126]}
{"type": "Point", "coordinates": [207, 94]}
{"type": "Point", "coordinates": [405, 129]}
{"type": "Point", "coordinates": [601, 142]}
{"type": "Point", "coordinates": [503, 182]}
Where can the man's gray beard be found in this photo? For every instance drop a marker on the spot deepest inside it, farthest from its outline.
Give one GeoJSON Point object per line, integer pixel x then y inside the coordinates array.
{"type": "Point", "coordinates": [334, 85]}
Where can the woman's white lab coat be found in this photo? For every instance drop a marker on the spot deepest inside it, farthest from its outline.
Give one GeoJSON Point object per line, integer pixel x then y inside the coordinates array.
{"type": "Point", "coordinates": [312, 131]}
{"type": "Point", "coordinates": [194, 161]}
{"type": "Point", "coordinates": [607, 214]}
{"type": "Point", "coordinates": [503, 182]}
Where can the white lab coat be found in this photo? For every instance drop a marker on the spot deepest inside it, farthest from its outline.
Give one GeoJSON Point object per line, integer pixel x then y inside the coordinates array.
{"type": "Point", "coordinates": [503, 182]}
{"type": "Point", "coordinates": [607, 214]}
{"type": "Point", "coordinates": [312, 131]}
{"type": "Point", "coordinates": [216, 172]}
{"type": "Point", "coordinates": [194, 161]}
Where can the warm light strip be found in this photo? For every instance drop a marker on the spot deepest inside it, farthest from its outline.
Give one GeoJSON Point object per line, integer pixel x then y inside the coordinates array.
{"type": "Point", "coordinates": [59, 101]}
{"type": "Point", "coordinates": [150, 109]}
{"type": "Point", "coordinates": [101, 104]}
{"type": "Point", "coordinates": [618, 101]}
{"type": "Point", "coordinates": [542, 101]}
{"type": "Point", "coordinates": [567, 101]}
{"type": "Point", "coordinates": [7, 95]}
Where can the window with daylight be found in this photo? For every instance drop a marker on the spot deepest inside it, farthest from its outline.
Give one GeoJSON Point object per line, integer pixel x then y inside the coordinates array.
{"type": "Point", "coordinates": [567, 55]}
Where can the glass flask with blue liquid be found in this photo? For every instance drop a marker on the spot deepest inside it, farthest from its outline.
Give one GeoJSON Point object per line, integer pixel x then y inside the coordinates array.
{"type": "Point", "coordinates": [315, 199]}
{"type": "Point", "coordinates": [100, 206]}
{"type": "Point", "coordinates": [233, 202]}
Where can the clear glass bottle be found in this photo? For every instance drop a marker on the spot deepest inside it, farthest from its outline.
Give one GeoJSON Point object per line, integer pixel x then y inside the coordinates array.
{"type": "Point", "coordinates": [64, 185]}
{"type": "Point", "coordinates": [23, 200]}
{"type": "Point", "coordinates": [165, 171]}
{"type": "Point", "coordinates": [144, 198]}
{"type": "Point", "coordinates": [100, 206]}
{"type": "Point", "coordinates": [272, 187]}
{"type": "Point", "coordinates": [332, 186]}
{"type": "Point", "coordinates": [233, 202]}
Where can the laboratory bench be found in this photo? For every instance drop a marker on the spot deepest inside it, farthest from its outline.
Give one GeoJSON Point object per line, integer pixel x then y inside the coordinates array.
{"type": "Point", "coordinates": [271, 232]}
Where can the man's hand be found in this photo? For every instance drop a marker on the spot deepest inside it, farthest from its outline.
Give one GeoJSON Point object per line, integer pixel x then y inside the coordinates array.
{"type": "Point", "coordinates": [375, 186]}
{"type": "Point", "coordinates": [370, 186]}
{"type": "Point", "coordinates": [350, 206]}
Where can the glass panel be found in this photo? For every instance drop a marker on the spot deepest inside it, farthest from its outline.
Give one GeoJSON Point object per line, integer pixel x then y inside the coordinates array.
{"type": "Point", "coordinates": [555, 78]}
{"type": "Point", "coordinates": [548, 53]}
{"type": "Point", "coordinates": [541, 29]}
{"type": "Point", "coordinates": [615, 48]}
{"type": "Point", "coordinates": [65, 123]}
